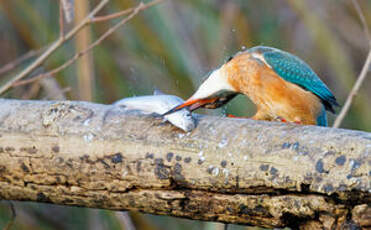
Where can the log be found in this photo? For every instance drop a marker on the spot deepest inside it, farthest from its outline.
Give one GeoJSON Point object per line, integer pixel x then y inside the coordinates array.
{"type": "Point", "coordinates": [237, 171]}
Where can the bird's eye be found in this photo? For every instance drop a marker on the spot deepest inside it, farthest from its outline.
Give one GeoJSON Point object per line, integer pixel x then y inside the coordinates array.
{"type": "Point", "coordinates": [229, 58]}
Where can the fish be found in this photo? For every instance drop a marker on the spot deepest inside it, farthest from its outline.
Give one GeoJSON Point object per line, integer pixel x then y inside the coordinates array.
{"type": "Point", "coordinates": [160, 103]}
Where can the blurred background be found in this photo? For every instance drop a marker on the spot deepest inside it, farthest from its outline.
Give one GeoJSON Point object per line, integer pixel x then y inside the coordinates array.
{"type": "Point", "coordinates": [172, 47]}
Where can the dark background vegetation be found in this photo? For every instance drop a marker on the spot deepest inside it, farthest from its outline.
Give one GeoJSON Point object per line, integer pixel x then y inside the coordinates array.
{"type": "Point", "coordinates": [172, 47]}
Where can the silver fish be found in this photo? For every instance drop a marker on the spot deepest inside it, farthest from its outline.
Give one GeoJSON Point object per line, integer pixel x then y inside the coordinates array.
{"type": "Point", "coordinates": [160, 103]}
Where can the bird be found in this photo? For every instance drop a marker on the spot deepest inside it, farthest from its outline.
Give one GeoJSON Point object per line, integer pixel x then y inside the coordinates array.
{"type": "Point", "coordinates": [281, 85]}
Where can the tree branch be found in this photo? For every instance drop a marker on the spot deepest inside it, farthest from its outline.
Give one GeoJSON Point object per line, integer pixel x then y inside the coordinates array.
{"type": "Point", "coordinates": [229, 170]}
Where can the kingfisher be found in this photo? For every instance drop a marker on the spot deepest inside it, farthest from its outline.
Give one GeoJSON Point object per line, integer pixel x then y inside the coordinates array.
{"type": "Point", "coordinates": [281, 85]}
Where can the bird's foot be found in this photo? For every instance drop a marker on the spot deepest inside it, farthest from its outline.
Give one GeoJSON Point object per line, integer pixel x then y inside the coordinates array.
{"type": "Point", "coordinates": [233, 116]}
{"type": "Point", "coordinates": [281, 119]}
{"type": "Point", "coordinates": [297, 122]}
{"type": "Point", "coordinates": [230, 115]}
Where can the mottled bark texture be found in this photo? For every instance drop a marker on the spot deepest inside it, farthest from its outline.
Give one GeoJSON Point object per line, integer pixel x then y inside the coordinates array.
{"type": "Point", "coordinates": [229, 170]}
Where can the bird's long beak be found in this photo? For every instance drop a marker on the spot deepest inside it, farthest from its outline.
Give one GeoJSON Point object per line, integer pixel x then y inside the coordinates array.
{"type": "Point", "coordinates": [208, 93]}
{"type": "Point", "coordinates": [192, 104]}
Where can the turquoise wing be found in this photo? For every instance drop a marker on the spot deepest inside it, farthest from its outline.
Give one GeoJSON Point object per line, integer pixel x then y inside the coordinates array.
{"type": "Point", "coordinates": [294, 70]}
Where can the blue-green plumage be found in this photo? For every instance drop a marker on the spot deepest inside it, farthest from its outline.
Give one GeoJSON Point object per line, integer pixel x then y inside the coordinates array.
{"type": "Point", "coordinates": [322, 117]}
{"type": "Point", "coordinates": [294, 70]}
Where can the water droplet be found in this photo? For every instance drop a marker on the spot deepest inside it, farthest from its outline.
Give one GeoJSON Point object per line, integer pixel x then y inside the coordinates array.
{"type": "Point", "coordinates": [226, 172]}
{"type": "Point", "coordinates": [215, 171]}
{"type": "Point", "coordinates": [89, 137]}
{"type": "Point", "coordinates": [86, 122]}
{"type": "Point", "coordinates": [223, 143]}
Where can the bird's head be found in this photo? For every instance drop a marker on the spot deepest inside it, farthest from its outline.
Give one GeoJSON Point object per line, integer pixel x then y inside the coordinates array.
{"type": "Point", "coordinates": [213, 93]}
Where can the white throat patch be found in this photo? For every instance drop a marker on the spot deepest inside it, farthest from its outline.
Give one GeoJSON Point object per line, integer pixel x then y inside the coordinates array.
{"type": "Point", "coordinates": [216, 82]}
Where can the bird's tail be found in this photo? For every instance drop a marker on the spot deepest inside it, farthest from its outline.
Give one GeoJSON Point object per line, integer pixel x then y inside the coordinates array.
{"type": "Point", "coordinates": [322, 117]}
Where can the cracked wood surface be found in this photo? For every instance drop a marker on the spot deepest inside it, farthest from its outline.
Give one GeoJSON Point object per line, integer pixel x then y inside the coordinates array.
{"type": "Point", "coordinates": [229, 170]}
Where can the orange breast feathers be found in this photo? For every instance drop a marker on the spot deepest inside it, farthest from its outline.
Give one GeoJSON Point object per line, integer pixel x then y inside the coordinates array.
{"type": "Point", "coordinates": [273, 96]}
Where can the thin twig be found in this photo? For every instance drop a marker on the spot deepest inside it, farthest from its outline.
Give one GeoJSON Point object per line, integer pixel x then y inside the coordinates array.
{"type": "Point", "coordinates": [61, 20]}
{"type": "Point", "coordinates": [68, 8]}
{"type": "Point", "coordinates": [362, 75]}
{"type": "Point", "coordinates": [112, 16]}
{"type": "Point", "coordinates": [353, 92]}
{"type": "Point", "coordinates": [135, 11]}
{"type": "Point", "coordinates": [13, 64]}
{"type": "Point", "coordinates": [121, 13]}
{"type": "Point", "coordinates": [58, 43]}
{"type": "Point", "coordinates": [363, 20]}
{"type": "Point", "coordinates": [12, 218]}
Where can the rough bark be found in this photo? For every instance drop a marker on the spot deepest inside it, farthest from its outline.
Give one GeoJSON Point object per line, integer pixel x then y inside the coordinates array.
{"type": "Point", "coordinates": [230, 170]}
